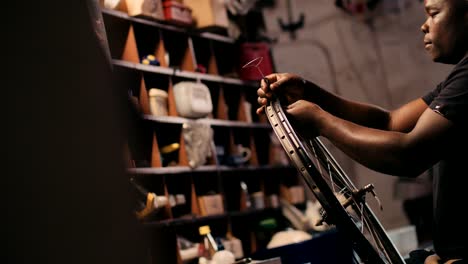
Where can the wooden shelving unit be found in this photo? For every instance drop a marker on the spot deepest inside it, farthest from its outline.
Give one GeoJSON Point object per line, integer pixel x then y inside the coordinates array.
{"type": "Point", "coordinates": [131, 38]}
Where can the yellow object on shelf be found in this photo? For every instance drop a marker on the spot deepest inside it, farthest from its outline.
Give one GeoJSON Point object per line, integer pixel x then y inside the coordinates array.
{"type": "Point", "coordinates": [210, 243]}
{"type": "Point", "coordinates": [204, 230]}
{"type": "Point", "coordinates": [170, 148]}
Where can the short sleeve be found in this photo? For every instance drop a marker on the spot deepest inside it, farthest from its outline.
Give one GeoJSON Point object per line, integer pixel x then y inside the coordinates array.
{"type": "Point", "coordinates": [429, 97]}
{"type": "Point", "coordinates": [450, 98]}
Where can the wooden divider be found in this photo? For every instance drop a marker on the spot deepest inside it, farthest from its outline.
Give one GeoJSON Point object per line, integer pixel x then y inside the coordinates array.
{"type": "Point", "coordinates": [284, 193]}
{"type": "Point", "coordinates": [272, 151]}
{"type": "Point", "coordinates": [183, 159]}
{"type": "Point", "coordinates": [128, 157]}
{"type": "Point", "coordinates": [195, 207]}
{"type": "Point", "coordinates": [160, 52]}
{"type": "Point", "coordinates": [167, 208]}
{"type": "Point", "coordinates": [171, 99]}
{"type": "Point", "coordinates": [241, 114]}
{"type": "Point", "coordinates": [253, 242]}
{"type": "Point", "coordinates": [144, 98]}
{"type": "Point", "coordinates": [155, 154]}
{"type": "Point", "coordinates": [211, 160]}
{"type": "Point", "coordinates": [130, 52]}
{"type": "Point", "coordinates": [189, 62]}
{"type": "Point", "coordinates": [221, 108]}
{"type": "Point", "coordinates": [231, 148]}
{"type": "Point", "coordinates": [253, 149]}
{"type": "Point", "coordinates": [212, 65]}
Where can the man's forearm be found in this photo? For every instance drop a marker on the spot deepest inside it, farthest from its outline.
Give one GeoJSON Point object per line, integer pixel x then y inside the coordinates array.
{"type": "Point", "coordinates": [360, 113]}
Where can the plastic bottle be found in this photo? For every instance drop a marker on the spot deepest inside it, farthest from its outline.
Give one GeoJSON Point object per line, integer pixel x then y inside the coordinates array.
{"type": "Point", "coordinates": [210, 244]}
{"type": "Point", "coordinates": [217, 254]}
{"type": "Point", "coordinates": [223, 256]}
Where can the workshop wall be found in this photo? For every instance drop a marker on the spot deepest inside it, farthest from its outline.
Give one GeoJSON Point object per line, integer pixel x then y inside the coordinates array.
{"type": "Point", "coordinates": [382, 63]}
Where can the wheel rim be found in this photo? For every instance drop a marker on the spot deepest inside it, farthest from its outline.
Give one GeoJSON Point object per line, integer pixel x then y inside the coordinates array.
{"type": "Point", "coordinates": [325, 178]}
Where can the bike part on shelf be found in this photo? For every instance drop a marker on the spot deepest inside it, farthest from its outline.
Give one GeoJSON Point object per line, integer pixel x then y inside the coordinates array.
{"type": "Point", "coordinates": [192, 99]}
{"type": "Point", "coordinates": [343, 205]}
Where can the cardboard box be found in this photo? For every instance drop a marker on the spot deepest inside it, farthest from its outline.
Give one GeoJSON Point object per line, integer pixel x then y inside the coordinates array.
{"type": "Point", "coordinates": [177, 13]}
{"type": "Point", "coordinates": [146, 8]}
{"type": "Point", "coordinates": [297, 194]}
{"type": "Point", "coordinates": [208, 13]}
{"type": "Point", "coordinates": [211, 204]}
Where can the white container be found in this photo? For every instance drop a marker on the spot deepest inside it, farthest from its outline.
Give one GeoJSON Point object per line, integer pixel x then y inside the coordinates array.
{"type": "Point", "coordinates": [158, 102]}
{"type": "Point", "coordinates": [258, 200]}
{"type": "Point", "coordinates": [192, 99]}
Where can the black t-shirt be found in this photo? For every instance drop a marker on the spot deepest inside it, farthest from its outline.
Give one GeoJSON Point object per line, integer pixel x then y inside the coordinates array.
{"type": "Point", "coordinates": [450, 99]}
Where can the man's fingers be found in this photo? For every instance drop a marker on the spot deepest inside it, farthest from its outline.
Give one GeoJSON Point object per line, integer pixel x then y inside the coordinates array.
{"type": "Point", "coordinates": [262, 101]}
{"type": "Point", "coordinates": [260, 110]}
{"type": "Point", "coordinates": [260, 92]}
{"type": "Point", "coordinates": [270, 78]}
{"type": "Point", "coordinates": [279, 84]}
{"type": "Point", "coordinates": [273, 83]}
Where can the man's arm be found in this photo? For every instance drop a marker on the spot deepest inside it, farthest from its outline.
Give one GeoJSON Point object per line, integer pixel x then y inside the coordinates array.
{"type": "Point", "coordinates": [402, 119]}
{"type": "Point", "coordinates": [392, 152]}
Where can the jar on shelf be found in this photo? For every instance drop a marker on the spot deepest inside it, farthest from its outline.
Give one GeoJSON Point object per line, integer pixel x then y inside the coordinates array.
{"type": "Point", "coordinates": [158, 102]}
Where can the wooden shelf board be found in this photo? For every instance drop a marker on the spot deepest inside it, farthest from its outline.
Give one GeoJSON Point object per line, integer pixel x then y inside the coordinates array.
{"type": "Point", "coordinates": [184, 74]}
{"type": "Point", "coordinates": [212, 122]}
{"type": "Point", "coordinates": [217, 37]}
{"type": "Point", "coordinates": [197, 219]}
{"type": "Point", "coordinates": [170, 170]}
{"type": "Point", "coordinates": [148, 22]}
{"type": "Point", "coordinates": [184, 221]}
{"type": "Point", "coordinates": [201, 169]}
{"type": "Point", "coordinates": [162, 25]}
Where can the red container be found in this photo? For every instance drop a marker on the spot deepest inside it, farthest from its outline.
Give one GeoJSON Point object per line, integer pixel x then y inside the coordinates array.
{"type": "Point", "coordinates": [178, 13]}
{"type": "Point", "coordinates": [250, 51]}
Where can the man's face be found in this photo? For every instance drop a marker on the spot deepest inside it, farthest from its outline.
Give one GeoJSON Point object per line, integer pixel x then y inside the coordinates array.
{"type": "Point", "coordinates": [445, 30]}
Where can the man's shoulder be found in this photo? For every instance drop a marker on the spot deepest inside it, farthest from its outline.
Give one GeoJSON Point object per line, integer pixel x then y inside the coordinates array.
{"type": "Point", "coordinates": [459, 73]}
{"type": "Point", "coordinates": [462, 64]}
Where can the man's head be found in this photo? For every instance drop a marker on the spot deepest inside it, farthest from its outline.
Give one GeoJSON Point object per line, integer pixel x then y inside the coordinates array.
{"type": "Point", "coordinates": [446, 30]}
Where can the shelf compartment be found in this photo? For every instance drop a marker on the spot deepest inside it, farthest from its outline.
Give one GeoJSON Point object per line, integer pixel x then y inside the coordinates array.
{"type": "Point", "coordinates": [169, 137]}
{"type": "Point", "coordinates": [209, 194]}
{"type": "Point", "coordinates": [226, 55]}
{"type": "Point", "coordinates": [236, 197]}
{"type": "Point", "coordinates": [262, 145]}
{"type": "Point", "coordinates": [181, 184]}
{"type": "Point", "coordinates": [157, 186]}
{"type": "Point", "coordinates": [179, 49]}
{"type": "Point", "coordinates": [148, 41]}
{"type": "Point", "coordinates": [204, 54]}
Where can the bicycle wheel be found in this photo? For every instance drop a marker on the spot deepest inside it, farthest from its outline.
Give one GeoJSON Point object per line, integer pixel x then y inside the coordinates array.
{"type": "Point", "coordinates": [343, 205]}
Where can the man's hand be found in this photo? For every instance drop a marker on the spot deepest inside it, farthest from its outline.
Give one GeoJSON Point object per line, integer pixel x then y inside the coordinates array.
{"type": "Point", "coordinates": [434, 259]}
{"type": "Point", "coordinates": [306, 117]}
{"type": "Point", "coordinates": [286, 86]}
